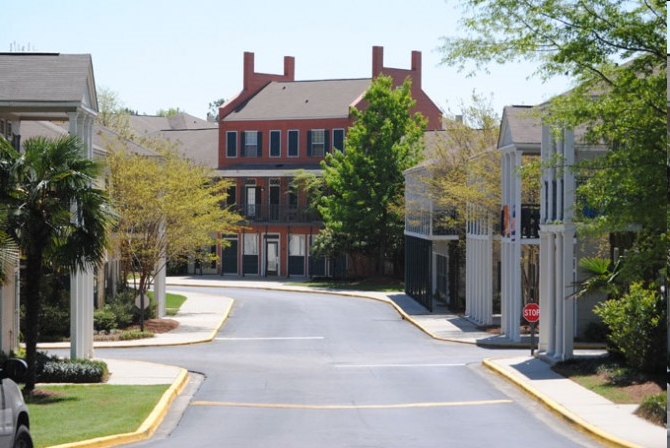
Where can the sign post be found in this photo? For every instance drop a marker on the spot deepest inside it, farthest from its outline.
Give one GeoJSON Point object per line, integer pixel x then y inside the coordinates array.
{"type": "Point", "coordinates": [531, 312]}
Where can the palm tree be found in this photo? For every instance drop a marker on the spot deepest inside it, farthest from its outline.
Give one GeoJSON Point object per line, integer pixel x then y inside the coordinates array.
{"type": "Point", "coordinates": [56, 215]}
{"type": "Point", "coordinates": [9, 250]}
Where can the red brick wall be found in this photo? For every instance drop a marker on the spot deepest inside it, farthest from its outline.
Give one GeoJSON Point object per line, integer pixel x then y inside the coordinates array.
{"type": "Point", "coordinates": [303, 126]}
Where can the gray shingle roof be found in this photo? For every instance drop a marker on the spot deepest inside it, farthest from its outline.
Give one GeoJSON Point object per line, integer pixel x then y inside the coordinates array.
{"type": "Point", "coordinates": [302, 99]}
{"type": "Point", "coordinates": [523, 124]}
{"type": "Point", "coordinates": [102, 136]}
{"type": "Point", "coordinates": [34, 77]}
{"type": "Point", "coordinates": [198, 139]}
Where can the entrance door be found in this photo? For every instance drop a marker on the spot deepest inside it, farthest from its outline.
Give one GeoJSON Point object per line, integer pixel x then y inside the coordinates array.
{"type": "Point", "coordinates": [251, 202]}
{"type": "Point", "coordinates": [272, 251]}
{"type": "Point", "coordinates": [229, 258]}
{"type": "Point", "coordinates": [274, 202]}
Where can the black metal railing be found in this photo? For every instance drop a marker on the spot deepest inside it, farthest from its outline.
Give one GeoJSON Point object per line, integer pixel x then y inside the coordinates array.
{"type": "Point", "coordinates": [278, 214]}
{"type": "Point", "coordinates": [530, 221]}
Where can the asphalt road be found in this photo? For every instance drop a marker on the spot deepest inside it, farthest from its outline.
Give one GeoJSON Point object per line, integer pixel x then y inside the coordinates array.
{"type": "Point", "coordinates": [309, 370]}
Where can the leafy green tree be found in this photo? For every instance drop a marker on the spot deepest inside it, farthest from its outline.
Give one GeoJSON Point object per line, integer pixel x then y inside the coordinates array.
{"type": "Point", "coordinates": [615, 51]}
{"type": "Point", "coordinates": [214, 108]}
{"type": "Point", "coordinates": [167, 205]}
{"type": "Point", "coordinates": [9, 250]}
{"type": "Point", "coordinates": [616, 54]}
{"type": "Point", "coordinates": [112, 113]}
{"type": "Point", "coordinates": [9, 255]}
{"type": "Point", "coordinates": [363, 204]}
{"type": "Point", "coordinates": [464, 173]}
{"type": "Point", "coordinates": [57, 216]}
{"type": "Point", "coordinates": [169, 112]}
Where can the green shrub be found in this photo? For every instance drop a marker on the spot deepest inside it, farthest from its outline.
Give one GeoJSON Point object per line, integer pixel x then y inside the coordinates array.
{"type": "Point", "coordinates": [653, 408]}
{"type": "Point", "coordinates": [595, 332]}
{"type": "Point", "coordinates": [104, 319]}
{"type": "Point", "coordinates": [122, 305]}
{"type": "Point", "coordinates": [55, 370]}
{"type": "Point", "coordinates": [149, 312]}
{"type": "Point", "coordinates": [636, 324]}
{"type": "Point", "coordinates": [135, 334]}
{"type": "Point", "coordinates": [54, 322]}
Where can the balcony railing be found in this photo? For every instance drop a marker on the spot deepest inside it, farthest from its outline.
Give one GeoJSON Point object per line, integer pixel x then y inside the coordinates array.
{"type": "Point", "coordinates": [530, 221]}
{"type": "Point", "coordinates": [257, 213]}
{"type": "Point", "coordinates": [425, 222]}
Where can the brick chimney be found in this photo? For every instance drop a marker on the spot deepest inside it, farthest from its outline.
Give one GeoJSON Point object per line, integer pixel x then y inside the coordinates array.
{"type": "Point", "coordinates": [289, 67]}
{"type": "Point", "coordinates": [377, 60]}
{"type": "Point", "coordinates": [416, 69]}
{"type": "Point", "coordinates": [398, 74]}
{"type": "Point", "coordinates": [255, 81]}
{"type": "Point", "coordinates": [248, 70]}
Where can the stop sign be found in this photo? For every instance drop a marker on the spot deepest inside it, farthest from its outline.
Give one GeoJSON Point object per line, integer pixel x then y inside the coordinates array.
{"type": "Point", "coordinates": [531, 312]}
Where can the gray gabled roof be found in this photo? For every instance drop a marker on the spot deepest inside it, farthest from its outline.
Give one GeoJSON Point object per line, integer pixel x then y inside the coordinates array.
{"type": "Point", "coordinates": [102, 137]}
{"type": "Point", "coordinates": [50, 83]}
{"type": "Point", "coordinates": [302, 99]}
{"type": "Point", "coordinates": [521, 127]}
{"type": "Point", "coordinates": [197, 139]}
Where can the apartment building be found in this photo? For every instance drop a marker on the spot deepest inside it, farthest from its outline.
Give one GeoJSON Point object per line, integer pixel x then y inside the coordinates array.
{"type": "Point", "coordinates": [274, 128]}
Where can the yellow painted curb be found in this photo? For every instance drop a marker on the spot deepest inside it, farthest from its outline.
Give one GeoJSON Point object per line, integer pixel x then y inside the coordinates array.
{"type": "Point", "coordinates": [560, 410]}
{"type": "Point", "coordinates": [146, 429]}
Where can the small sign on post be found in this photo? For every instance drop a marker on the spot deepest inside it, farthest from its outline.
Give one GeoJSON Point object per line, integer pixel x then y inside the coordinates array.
{"type": "Point", "coordinates": [531, 312]}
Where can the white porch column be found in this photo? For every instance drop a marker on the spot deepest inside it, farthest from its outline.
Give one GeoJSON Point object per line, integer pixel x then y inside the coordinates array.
{"type": "Point", "coordinates": [81, 282]}
{"type": "Point", "coordinates": [511, 248]}
{"type": "Point", "coordinates": [488, 266]}
{"type": "Point", "coordinates": [567, 297]}
{"type": "Point", "coordinates": [159, 277]}
{"type": "Point", "coordinates": [505, 249]}
{"type": "Point", "coordinates": [9, 311]}
{"type": "Point", "coordinates": [559, 307]}
{"type": "Point", "coordinates": [546, 311]}
{"type": "Point", "coordinates": [160, 286]}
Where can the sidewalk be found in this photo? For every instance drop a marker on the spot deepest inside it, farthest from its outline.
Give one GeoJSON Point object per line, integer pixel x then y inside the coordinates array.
{"type": "Point", "coordinates": [202, 315]}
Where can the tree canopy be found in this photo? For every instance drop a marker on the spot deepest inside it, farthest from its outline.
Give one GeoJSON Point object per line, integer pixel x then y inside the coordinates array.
{"type": "Point", "coordinates": [166, 205]}
{"type": "Point", "coordinates": [464, 173]}
{"type": "Point", "coordinates": [55, 213]}
{"type": "Point", "coordinates": [615, 51]}
{"type": "Point", "coordinates": [362, 206]}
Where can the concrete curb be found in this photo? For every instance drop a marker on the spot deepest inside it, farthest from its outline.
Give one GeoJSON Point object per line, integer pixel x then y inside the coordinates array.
{"type": "Point", "coordinates": [147, 428]}
{"type": "Point", "coordinates": [557, 409]}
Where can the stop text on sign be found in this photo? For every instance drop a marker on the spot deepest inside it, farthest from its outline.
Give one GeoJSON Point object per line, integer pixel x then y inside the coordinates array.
{"type": "Point", "coordinates": [531, 312]}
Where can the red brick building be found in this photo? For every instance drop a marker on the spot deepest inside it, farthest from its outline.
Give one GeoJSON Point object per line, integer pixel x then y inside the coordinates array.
{"type": "Point", "coordinates": [274, 127]}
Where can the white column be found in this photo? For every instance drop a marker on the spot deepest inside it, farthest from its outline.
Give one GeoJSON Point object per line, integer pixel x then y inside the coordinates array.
{"type": "Point", "coordinates": [81, 282]}
{"type": "Point", "coordinates": [469, 271]}
{"type": "Point", "coordinates": [567, 297]}
{"type": "Point", "coordinates": [505, 274]}
{"type": "Point", "coordinates": [559, 306]}
{"type": "Point", "coordinates": [81, 309]}
{"type": "Point", "coordinates": [516, 248]}
{"type": "Point", "coordinates": [544, 294]}
{"type": "Point", "coordinates": [489, 295]}
{"type": "Point", "coordinates": [160, 286]}
{"type": "Point", "coordinates": [159, 277]}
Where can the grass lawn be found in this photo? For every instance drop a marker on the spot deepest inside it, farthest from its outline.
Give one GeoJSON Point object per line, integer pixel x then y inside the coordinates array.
{"type": "Point", "coordinates": [611, 379]}
{"type": "Point", "coordinates": [381, 284]}
{"type": "Point", "coordinates": [71, 413]}
{"type": "Point", "coordinates": [172, 302]}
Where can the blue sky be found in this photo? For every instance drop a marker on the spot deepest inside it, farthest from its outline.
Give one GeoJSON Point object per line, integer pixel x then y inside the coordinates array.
{"type": "Point", "coordinates": [157, 54]}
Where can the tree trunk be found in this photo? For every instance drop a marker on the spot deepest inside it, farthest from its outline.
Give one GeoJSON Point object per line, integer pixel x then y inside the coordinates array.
{"type": "Point", "coordinates": [31, 299]}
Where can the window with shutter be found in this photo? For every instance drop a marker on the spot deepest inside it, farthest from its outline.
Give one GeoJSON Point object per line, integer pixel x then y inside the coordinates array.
{"type": "Point", "coordinates": [293, 149]}
{"type": "Point", "coordinates": [338, 139]}
{"type": "Point", "coordinates": [250, 144]}
{"type": "Point", "coordinates": [275, 143]}
{"type": "Point", "coordinates": [317, 143]}
{"type": "Point", "coordinates": [231, 144]}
